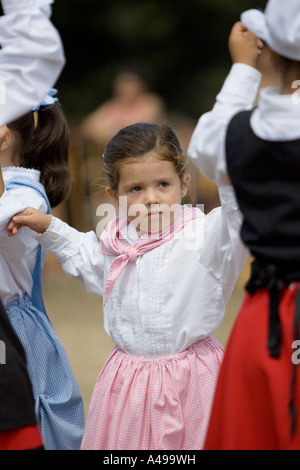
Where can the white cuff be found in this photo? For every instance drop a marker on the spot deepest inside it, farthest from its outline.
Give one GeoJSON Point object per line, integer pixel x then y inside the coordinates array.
{"type": "Point", "coordinates": [59, 235]}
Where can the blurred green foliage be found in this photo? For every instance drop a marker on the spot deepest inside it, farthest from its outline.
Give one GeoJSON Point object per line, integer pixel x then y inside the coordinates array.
{"type": "Point", "coordinates": [182, 46]}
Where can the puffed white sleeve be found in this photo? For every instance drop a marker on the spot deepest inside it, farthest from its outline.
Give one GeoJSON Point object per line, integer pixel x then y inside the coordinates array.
{"type": "Point", "coordinates": [207, 146]}
{"type": "Point", "coordinates": [31, 56]}
{"type": "Point", "coordinates": [223, 254]}
{"type": "Point", "coordinates": [78, 253]}
{"type": "Point", "coordinates": [14, 201]}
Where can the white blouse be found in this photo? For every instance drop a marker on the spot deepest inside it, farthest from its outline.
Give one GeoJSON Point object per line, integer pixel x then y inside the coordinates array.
{"type": "Point", "coordinates": [173, 295]}
{"type": "Point", "coordinates": [18, 253]}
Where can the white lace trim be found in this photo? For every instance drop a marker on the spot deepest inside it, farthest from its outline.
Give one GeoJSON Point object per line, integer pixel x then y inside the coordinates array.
{"type": "Point", "coordinates": [20, 170]}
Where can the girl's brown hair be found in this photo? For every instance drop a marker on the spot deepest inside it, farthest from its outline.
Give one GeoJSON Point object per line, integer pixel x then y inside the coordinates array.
{"type": "Point", "coordinates": [137, 140]}
{"type": "Point", "coordinates": [44, 145]}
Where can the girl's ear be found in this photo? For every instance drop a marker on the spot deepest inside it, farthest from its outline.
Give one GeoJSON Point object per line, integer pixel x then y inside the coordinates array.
{"type": "Point", "coordinates": [5, 138]}
{"type": "Point", "coordinates": [185, 185]}
{"type": "Point", "coordinates": [112, 193]}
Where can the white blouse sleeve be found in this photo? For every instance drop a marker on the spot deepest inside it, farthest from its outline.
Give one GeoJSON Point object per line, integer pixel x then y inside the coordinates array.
{"type": "Point", "coordinates": [17, 200]}
{"type": "Point", "coordinates": [207, 145]}
{"type": "Point", "coordinates": [77, 252]}
{"type": "Point", "coordinates": [223, 254]}
{"type": "Point", "coordinates": [31, 56]}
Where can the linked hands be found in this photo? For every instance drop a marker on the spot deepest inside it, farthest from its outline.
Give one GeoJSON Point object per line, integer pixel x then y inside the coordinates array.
{"type": "Point", "coordinates": [244, 46]}
{"type": "Point", "coordinates": [30, 217]}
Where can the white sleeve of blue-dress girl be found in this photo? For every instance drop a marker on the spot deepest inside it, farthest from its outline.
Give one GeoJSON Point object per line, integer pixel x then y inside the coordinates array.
{"type": "Point", "coordinates": [77, 252]}
{"type": "Point", "coordinates": [207, 145]}
{"type": "Point", "coordinates": [31, 56]}
{"type": "Point", "coordinates": [17, 254]}
{"type": "Point", "coordinates": [17, 200]}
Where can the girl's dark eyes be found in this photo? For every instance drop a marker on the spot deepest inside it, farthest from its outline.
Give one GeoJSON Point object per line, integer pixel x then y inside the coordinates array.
{"type": "Point", "coordinates": [163, 184]}
{"type": "Point", "coordinates": [135, 189]}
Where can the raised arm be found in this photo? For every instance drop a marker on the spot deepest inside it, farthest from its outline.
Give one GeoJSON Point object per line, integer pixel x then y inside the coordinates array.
{"type": "Point", "coordinates": [31, 56]}
{"type": "Point", "coordinates": [238, 93]}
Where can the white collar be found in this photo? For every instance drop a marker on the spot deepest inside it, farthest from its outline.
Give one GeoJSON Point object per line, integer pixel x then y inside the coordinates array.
{"type": "Point", "coordinates": [12, 171]}
{"type": "Point", "coordinates": [277, 116]}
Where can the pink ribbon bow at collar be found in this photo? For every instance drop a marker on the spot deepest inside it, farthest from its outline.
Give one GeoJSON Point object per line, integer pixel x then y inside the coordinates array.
{"type": "Point", "coordinates": [113, 244]}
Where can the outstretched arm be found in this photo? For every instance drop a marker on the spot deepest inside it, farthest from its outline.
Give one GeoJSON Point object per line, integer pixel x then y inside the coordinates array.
{"type": "Point", "coordinates": [32, 218]}
{"type": "Point", "coordinates": [77, 252]}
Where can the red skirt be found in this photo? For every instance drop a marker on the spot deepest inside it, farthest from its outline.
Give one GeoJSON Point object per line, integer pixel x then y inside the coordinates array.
{"type": "Point", "coordinates": [251, 409]}
{"type": "Point", "coordinates": [26, 438]}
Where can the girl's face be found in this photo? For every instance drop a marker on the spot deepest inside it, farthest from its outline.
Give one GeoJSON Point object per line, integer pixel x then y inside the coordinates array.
{"type": "Point", "coordinates": [150, 191]}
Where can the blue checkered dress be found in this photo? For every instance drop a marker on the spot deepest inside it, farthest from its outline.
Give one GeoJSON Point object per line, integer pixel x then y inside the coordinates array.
{"type": "Point", "coordinates": [58, 402]}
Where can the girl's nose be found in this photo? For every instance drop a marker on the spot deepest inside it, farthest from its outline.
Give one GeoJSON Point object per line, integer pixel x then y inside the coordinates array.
{"type": "Point", "coordinates": [151, 197]}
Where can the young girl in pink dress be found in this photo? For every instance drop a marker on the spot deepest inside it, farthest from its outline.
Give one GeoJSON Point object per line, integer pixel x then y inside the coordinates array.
{"type": "Point", "coordinates": [165, 271]}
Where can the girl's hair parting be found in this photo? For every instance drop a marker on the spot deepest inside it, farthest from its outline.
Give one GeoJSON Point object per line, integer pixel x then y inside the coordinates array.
{"type": "Point", "coordinates": [137, 140]}
{"type": "Point", "coordinates": [43, 143]}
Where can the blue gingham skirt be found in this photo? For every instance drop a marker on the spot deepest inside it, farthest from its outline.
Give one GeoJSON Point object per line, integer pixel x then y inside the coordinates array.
{"type": "Point", "coordinates": [58, 402]}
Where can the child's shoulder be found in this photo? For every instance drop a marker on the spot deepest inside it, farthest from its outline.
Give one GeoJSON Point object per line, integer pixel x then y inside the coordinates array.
{"type": "Point", "coordinates": [18, 175]}
{"type": "Point", "coordinates": [25, 184]}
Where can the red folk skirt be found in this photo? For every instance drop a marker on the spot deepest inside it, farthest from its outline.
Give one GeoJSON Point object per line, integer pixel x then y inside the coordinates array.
{"type": "Point", "coordinates": [26, 438]}
{"type": "Point", "coordinates": [251, 408]}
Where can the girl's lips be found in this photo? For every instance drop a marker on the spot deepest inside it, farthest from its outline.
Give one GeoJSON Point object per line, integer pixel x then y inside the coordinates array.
{"type": "Point", "coordinates": [154, 214]}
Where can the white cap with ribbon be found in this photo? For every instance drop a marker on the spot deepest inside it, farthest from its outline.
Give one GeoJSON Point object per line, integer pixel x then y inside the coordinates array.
{"type": "Point", "coordinates": [278, 26]}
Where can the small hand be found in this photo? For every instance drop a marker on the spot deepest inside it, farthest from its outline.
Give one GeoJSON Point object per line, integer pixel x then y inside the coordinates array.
{"type": "Point", "coordinates": [244, 46]}
{"type": "Point", "coordinates": [32, 218]}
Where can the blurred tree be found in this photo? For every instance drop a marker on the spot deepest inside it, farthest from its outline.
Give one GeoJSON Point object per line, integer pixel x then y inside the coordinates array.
{"type": "Point", "coordinates": [181, 45]}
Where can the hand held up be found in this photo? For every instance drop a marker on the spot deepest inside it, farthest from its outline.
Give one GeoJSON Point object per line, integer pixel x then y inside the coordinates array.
{"type": "Point", "coordinates": [244, 46]}
{"type": "Point", "coordinates": [30, 217]}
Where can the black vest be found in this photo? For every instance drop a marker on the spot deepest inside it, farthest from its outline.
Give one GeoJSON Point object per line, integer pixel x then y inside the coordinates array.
{"type": "Point", "coordinates": [266, 179]}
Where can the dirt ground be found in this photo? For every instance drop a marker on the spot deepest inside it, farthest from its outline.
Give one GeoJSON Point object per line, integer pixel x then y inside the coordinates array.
{"type": "Point", "coordinates": [78, 321]}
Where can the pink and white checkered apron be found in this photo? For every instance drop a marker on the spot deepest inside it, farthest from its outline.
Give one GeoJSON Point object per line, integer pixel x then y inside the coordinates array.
{"type": "Point", "coordinates": [154, 404]}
